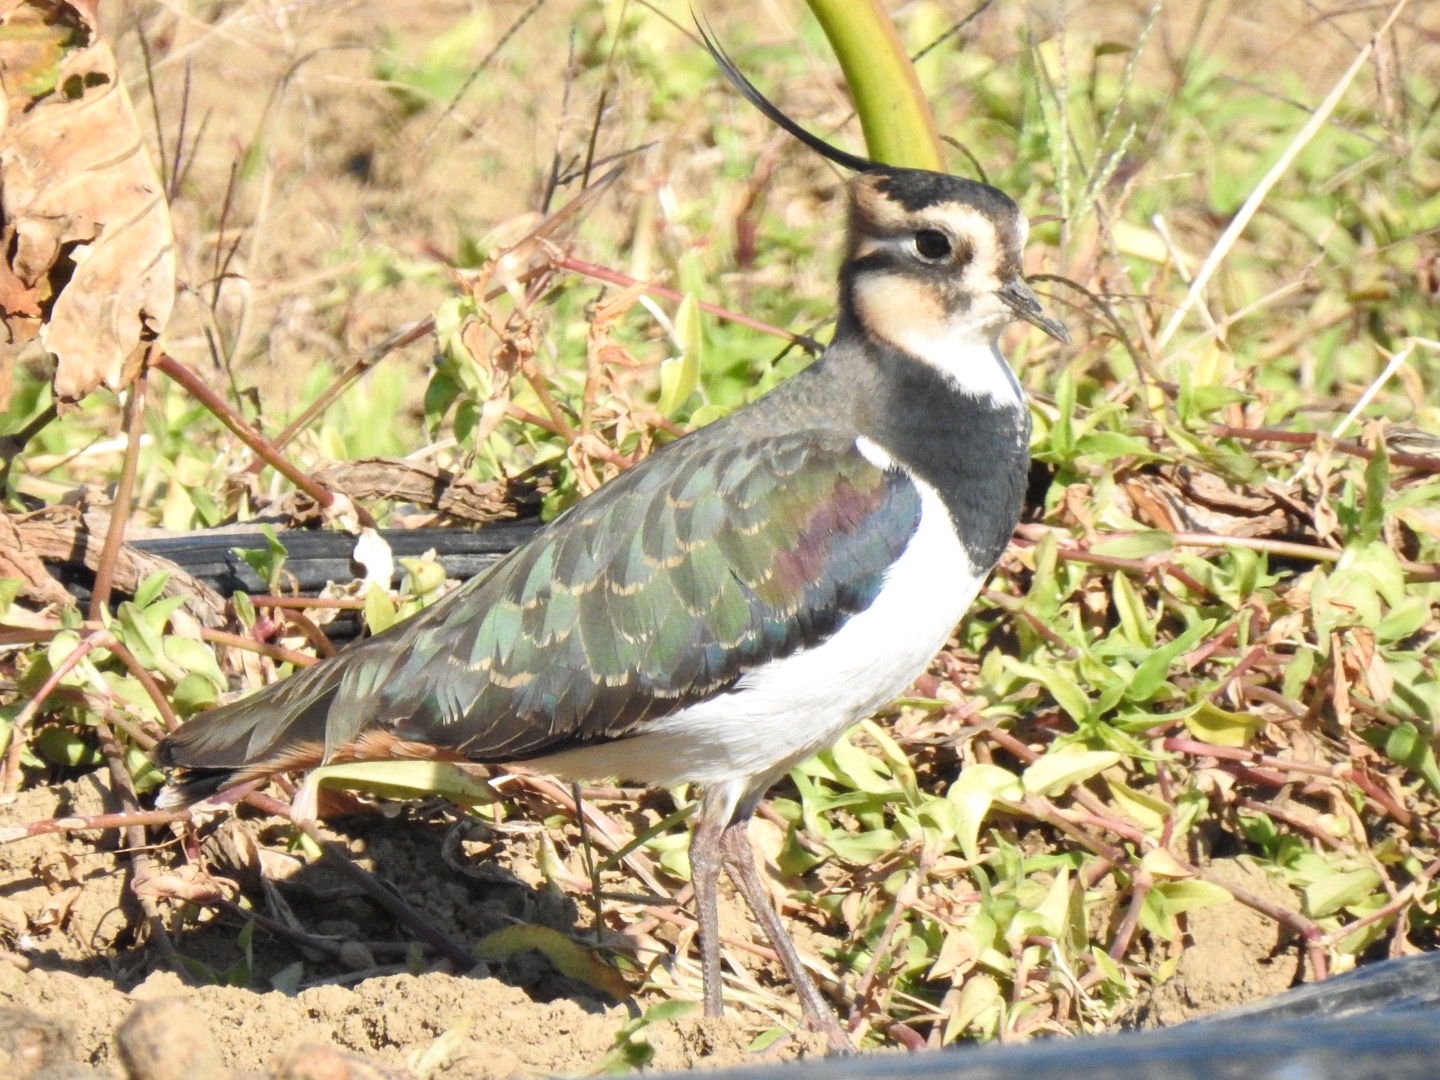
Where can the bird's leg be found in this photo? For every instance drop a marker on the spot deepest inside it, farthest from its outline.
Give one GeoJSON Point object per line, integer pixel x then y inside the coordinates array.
{"type": "Point", "coordinates": [740, 859]}
{"type": "Point", "coordinates": [706, 860]}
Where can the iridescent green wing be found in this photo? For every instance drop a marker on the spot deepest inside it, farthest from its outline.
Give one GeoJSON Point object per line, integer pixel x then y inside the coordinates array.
{"type": "Point", "coordinates": [662, 588]}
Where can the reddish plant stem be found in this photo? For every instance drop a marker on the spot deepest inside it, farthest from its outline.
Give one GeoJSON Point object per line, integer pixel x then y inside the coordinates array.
{"type": "Point", "coordinates": [136, 734]}
{"type": "Point", "coordinates": [146, 680]}
{"type": "Point", "coordinates": [1303, 438]}
{"type": "Point", "coordinates": [1181, 745]}
{"type": "Point", "coordinates": [1295, 821]}
{"type": "Point", "coordinates": [1139, 889]}
{"type": "Point", "coordinates": [140, 863]}
{"type": "Point", "coordinates": [124, 494]}
{"type": "Point", "coordinates": [1305, 928]}
{"type": "Point", "coordinates": [10, 638]}
{"type": "Point", "coordinates": [264, 600]}
{"type": "Point", "coordinates": [865, 995]}
{"type": "Point", "coordinates": [322, 645]}
{"type": "Point", "coordinates": [95, 822]}
{"type": "Point", "coordinates": [1198, 655]}
{"type": "Point", "coordinates": [275, 652]}
{"type": "Point", "coordinates": [1399, 903]}
{"type": "Point", "coordinates": [363, 363]}
{"type": "Point", "coordinates": [1248, 661]}
{"type": "Point", "coordinates": [242, 430]}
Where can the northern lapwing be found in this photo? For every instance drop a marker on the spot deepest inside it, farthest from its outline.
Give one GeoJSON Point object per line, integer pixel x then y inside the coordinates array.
{"type": "Point", "coordinates": [733, 603]}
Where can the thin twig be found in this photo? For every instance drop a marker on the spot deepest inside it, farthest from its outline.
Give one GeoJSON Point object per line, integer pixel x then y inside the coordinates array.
{"type": "Point", "coordinates": [124, 494]}
{"type": "Point", "coordinates": [194, 385]}
{"type": "Point", "coordinates": [275, 652]}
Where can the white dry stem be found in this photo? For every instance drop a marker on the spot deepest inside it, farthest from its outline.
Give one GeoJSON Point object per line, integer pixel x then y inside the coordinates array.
{"type": "Point", "coordinates": [1374, 388]}
{"type": "Point", "coordinates": [1271, 178]}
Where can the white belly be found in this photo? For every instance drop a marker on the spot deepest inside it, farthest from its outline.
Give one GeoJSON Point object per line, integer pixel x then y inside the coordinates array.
{"type": "Point", "coordinates": [786, 710]}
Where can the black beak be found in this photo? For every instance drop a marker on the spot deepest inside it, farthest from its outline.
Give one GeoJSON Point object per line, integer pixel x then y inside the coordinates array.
{"type": "Point", "coordinates": [1025, 305]}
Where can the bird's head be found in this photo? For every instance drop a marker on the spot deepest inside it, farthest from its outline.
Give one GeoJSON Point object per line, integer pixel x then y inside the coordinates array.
{"type": "Point", "coordinates": [932, 257]}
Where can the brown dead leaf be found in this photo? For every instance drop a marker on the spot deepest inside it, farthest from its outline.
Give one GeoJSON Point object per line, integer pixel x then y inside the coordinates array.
{"type": "Point", "coordinates": [61, 875]}
{"type": "Point", "coordinates": [83, 216]}
{"type": "Point", "coordinates": [185, 883]}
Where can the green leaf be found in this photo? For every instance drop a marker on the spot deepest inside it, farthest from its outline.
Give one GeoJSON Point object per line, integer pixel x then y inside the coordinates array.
{"type": "Point", "coordinates": [422, 576]}
{"type": "Point", "coordinates": [407, 780]}
{"type": "Point", "coordinates": [1150, 673]}
{"type": "Point", "coordinates": [143, 773]}
{"type": "Point", "coordinates": [1148, 811]}
{"type": "Point", "coordinates": [1371, 525]}
{"type": "Point", "coordinates": [1403, 619]}
{"type": "Point", "coordinates": [1339, 890]}
{"type": "Point", "coordinates": [974, 791]}
{"type": "Point", "coordinates": [192, 694]}
{"type": "Point", "coordinates": [893, 110]}
{"type": "Point", "coordinates": [1060, 770]}
{"type": "Point", "coordinates": [244, 610]}
{"type": "Point", "coordinates": [1062, 436]}
{"type": "Point", "coordinates": [380, 613]}
{"type": "Point", "coordinates": [144, 640]}
{"type": "Point", "coordinates": [680, 375]}
{"type": "Point", "coordinates": [61, 746]}
{"type": "Point", "coordinates": [267, 562]}
{"type": "Point", "coordinates": [1135, 621]}
{"type": "Point", "coordinates": [1140, 545]}
{"type": "Point", "coordinates": [861, 849]}
{"type": "Point", "coordinates": [151, 588]}
{"type": "Point", "coordinates": [1064, 690]}
{"type": "Point", "coordinates": [1214, 725]}
{"type": "Point", "coordinates": [569, 957]}
{"type": "Point", "coordinates": [1183, 896]}
{"type": "Point", "coordinates": [1406, 745]}
{"type": "Point", "coordinates": [981, 1002]}
{"type": "Point", "coordinates": [195, 658]}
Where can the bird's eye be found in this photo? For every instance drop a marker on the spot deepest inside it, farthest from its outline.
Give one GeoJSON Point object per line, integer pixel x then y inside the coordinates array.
{"type": "Point", "coordinates": [932, 244]}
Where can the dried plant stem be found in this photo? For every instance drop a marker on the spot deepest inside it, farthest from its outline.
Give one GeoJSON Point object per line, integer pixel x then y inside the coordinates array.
{"type": "Point", "coordinates": [1307, 438]}
{"type": "Point", "coordinates": [1368, 396]}
{"type": "Point", "coordinates": [93, 822]}
{"type": "Point", "coordinates": [124, 493]}
{"type": "Point", "coordinates": [275, 652]}
{"type": "Point", "coordinates": [386, 898]}
{"type": "Point", "coordinates": [196, 387]}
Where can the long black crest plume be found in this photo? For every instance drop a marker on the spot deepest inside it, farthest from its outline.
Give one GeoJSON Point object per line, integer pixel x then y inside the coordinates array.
{"type": "Point", "coordinates": [844, 159]}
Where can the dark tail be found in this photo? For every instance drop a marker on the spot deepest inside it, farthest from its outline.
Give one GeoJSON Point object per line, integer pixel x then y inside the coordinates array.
{"type": "Point", "coordinates": [277, 729]}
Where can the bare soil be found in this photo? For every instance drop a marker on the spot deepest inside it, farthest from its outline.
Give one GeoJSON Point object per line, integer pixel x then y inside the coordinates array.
{"type": "Point", "coordinates": [72, 925]}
